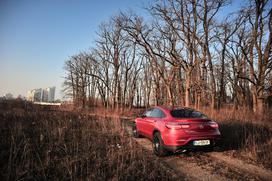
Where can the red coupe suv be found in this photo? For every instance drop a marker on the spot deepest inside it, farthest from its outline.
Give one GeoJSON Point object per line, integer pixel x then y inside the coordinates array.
{"type": "Point", "coordinates": [176, 129]}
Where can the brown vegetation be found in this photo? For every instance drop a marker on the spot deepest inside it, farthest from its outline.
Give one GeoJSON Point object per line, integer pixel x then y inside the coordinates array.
{"type": "Point", "coordinates": [42, 143]}
{"type": "Point", "coordinates": [186, 54]}
{"type": "Point", "coordinates": [245, 134]}
{"type": "Point", "coordinates": [54, 145]}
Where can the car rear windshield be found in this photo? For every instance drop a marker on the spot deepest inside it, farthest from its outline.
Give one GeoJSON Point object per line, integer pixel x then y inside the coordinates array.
{"type": "Point", "coordinates": [187, 113]}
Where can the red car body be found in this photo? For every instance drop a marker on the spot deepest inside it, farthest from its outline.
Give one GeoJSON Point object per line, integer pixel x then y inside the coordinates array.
{"type": "Point", "coordinates": [177, 129]}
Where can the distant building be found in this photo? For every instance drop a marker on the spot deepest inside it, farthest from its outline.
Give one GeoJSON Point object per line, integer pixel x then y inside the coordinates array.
{"type": "Point", "coordinates": [35, 95]}
{"type": "Point", "coordinates": [51, 97]}
{"type": "Point", "coordinates": [42, 95]}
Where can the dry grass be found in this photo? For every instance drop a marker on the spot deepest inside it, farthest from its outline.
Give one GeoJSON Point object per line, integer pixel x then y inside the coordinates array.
{"type": "Point", "coordinates": [42, 144]}
{"type": "Point", "coordinates": [55, 145]}
{"type": "Point", "coordinates": [245, 134]}
{"type": "Point", "coordinates": [248, 135]}
{"type": "Point", "coordinates": [244, 115]}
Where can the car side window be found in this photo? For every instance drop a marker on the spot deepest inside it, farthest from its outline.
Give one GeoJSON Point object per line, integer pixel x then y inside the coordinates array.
{"type": "Point", "coordinates": [163, 115]}
{"type": "Point", "coordinates": [148, 113]}
{"type": "Point", "coordinates": [157, 113]}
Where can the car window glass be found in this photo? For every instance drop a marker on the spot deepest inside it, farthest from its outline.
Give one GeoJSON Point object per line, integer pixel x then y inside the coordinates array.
{"type": "Point", "coordinates": [156, 113]}
{"type": "Point", "coordinates": [187, 113]}
{"type": "Point", "coordinates": [179, 113]}
{"type": "Point", "coordinates": [162, 114]}
{"type": "Point", "coordinates": [196, 114]}
{"type": "Point", "coordinates": [148, 113]}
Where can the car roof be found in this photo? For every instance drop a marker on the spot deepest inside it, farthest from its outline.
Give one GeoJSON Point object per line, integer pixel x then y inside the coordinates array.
{"type": "Point", "coordinates": [171, 108]}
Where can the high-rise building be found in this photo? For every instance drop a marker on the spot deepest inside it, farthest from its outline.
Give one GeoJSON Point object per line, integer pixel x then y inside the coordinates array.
{"type": "Point", "coordinates": [52, 94]}
{"type": "Point", "coordinates": [48, 94]}
{"type": "Point", "coordinates": [35, 95]}
{"type": "Point", "coordinates": [41, 95]}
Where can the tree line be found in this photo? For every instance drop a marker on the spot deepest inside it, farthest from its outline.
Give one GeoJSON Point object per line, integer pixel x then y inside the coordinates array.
{"type": "Point", "coordinates": [186, 54]}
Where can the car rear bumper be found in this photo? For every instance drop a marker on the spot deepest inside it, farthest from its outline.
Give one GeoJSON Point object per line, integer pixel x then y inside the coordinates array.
{"type": "Point", "coordinates": [178, 142]}
{"type": "Point", "coordinates": [190, 146]}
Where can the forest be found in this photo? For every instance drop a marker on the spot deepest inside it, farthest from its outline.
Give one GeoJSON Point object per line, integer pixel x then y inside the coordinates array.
{"type": "Point", "coordinates": [186, 53]}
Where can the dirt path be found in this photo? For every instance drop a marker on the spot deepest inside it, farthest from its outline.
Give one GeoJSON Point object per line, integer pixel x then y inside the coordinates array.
{"type": "Point", "coordinates": [190, 169]}
{"type": "Point", "coordinates": [262, 173]}
{"type": "Point", "coordinates": [208, 166]}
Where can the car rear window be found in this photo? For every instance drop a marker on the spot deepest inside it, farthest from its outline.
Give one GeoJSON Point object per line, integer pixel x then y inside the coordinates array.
{"type": "Point", "coordinates": [187, 113]}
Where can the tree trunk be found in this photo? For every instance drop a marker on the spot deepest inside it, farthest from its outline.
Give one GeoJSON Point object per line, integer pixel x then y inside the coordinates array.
{"type": "Point", "coordinates": [187, 89]}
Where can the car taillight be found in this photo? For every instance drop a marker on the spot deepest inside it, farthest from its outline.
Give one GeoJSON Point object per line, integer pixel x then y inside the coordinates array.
{"type": "Point", "coordinates": [214, 125]}
{"type": "Point", "coordinates": [185, 126]}
{"type": "Point", "coordinates": [177, 126]}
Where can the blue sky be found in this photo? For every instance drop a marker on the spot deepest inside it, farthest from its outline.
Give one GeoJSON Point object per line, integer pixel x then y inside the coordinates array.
{"type": "Point", "coordinates": [37, 36]}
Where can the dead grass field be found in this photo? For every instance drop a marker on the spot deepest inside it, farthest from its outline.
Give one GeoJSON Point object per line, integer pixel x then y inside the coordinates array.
{"type": "Point", "coordinates": [52, 144]}
{"type": "Point", "coordinates": [246, 135]}
{"type": "Point", "coordinates": [55, 145]}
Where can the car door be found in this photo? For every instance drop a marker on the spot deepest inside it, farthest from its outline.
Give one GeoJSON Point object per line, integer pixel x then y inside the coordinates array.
{"type": "Point", "coordinates": [141, 122]}
{"type": "Point", "coordinates": [151, 121]}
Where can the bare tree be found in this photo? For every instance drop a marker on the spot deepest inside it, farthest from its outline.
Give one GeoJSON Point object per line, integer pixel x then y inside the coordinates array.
{"type": "Point", "coordinates": [259, 45]}
{"type": "Point", "coordinates": [182, 56]}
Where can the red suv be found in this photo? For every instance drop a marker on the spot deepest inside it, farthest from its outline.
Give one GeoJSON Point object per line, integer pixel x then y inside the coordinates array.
{"type": "Point", "coordinates": [176, 129]}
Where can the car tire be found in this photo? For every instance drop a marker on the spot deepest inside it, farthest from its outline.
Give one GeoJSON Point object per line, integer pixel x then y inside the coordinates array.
{"type": "Point", "coordinates": [135, 132]}
{"type": "Point", "coordinates": [158, 145]}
